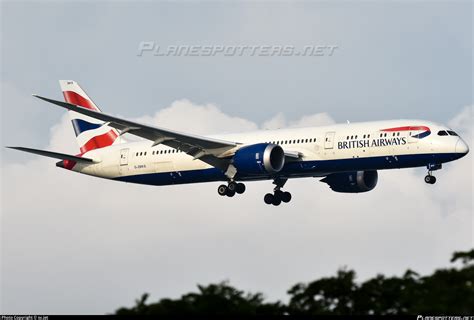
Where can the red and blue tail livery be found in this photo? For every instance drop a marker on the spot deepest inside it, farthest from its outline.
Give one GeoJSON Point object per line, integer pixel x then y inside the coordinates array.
{"type": "Point", "coordinates": [90, 133]}
{"type": "Point", "coordinates": [347, 157]}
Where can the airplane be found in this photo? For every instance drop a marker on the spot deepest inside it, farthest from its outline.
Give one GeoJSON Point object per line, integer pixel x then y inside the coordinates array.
{"type": "Point", "coordinates": [345, 156]}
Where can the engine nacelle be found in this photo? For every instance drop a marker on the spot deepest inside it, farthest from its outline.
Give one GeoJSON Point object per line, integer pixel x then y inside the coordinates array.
{"type": "Point", "coordinates": [352, 182]}
{"type": "Point", "coordinates": [261, 158]}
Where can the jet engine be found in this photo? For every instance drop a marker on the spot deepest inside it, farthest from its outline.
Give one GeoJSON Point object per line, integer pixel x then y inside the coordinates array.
{"type": "Point", "coordinates": [258, 159]}
{"type": "Point", "coordinates": [352, 182]}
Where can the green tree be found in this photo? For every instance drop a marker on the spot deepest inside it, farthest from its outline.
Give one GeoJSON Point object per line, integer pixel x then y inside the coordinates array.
{"type": "Point", "coordinates": [333, 295]}
{"type": "Point", "coordinates": [218, 299]}
{"type": "Point", "coordinates": [446, 291]}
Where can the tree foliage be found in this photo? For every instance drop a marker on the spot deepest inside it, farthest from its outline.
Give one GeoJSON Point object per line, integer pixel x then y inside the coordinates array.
{"type": "Point", "coordinates": [446, 291]}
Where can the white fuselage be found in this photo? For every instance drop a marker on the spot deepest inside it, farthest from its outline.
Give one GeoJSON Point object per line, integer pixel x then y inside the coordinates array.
{"type": "Point", "coordinates": [323, 150]}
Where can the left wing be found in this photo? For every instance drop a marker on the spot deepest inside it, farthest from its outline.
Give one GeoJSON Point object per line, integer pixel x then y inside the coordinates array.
{"type": "Point", "coordinates": [211, 151]}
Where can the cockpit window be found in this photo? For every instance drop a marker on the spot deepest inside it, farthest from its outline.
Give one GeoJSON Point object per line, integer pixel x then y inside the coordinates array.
{"type": "Point", "coordinates": [452, 133]}
{"type": "Point", "coordinates": [442, 133]}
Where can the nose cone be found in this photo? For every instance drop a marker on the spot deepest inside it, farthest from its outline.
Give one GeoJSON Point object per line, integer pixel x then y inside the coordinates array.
{"type": "Point", "coordinates": [461, 147]}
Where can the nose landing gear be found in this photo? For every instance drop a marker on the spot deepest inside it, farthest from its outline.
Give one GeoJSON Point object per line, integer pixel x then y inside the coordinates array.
{"type": "Point", "coordinates": [430, 178]}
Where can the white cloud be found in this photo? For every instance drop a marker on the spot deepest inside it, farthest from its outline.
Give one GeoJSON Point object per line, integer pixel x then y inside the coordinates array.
{"type": "Point", "coordinates": [183, 115]}
{"type": "Point", "coordinates": [78, 244]}
{"type": "Point", "coordinates": [279, 121]}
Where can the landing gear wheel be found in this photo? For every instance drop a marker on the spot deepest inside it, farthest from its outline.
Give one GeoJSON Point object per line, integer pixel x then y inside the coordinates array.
{"type": "Point", "coordinates": [222, 190]}
{"type": "Point", "coordinates": [430, 179]}
{"type": "Point", "coordinates": [232, 186]}
{"type": "Point", "coordinates": [276, 201]}
{"type": "Point", "coordinates": [230, 193]}
{"type": "Point", "coordinates": [278, 194]}
{"type": "Point", "coordinates": [285, 196]}
{"type": "Point", "coordinates": [240, 188]}
{"type": "Point", "coordinates": [268, 198]}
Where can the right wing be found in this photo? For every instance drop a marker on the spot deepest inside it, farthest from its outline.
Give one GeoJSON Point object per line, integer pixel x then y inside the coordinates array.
{"type": "Point", "coordinates": [211, 151]}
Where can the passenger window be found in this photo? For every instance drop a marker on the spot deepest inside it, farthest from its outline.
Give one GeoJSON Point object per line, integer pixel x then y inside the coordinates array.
{"type": "Point", "coordinates": [442, 133]}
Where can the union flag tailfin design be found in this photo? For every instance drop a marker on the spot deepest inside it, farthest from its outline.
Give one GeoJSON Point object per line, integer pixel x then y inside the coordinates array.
{"type": "Point", "coordinates": [90, 133]}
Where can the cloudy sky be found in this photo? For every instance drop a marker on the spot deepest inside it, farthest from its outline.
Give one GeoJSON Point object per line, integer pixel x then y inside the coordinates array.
{"type": "Point", "coordinates": [77, 244]}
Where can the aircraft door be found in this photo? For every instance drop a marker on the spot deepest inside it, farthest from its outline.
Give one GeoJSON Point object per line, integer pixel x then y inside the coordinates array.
{"type": "Point", "coordinates": [124, 157]}
{"type": "Point", "coordinates": [329, 140]}
{"type": "Point", "coordinates": [123, 167]}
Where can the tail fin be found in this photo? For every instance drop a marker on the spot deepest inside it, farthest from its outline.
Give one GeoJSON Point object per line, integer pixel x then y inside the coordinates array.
{"type": "Point", "coordinates": [90, 133]}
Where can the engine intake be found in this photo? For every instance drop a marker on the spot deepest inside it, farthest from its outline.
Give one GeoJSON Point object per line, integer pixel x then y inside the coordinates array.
{"type": "Point", "coordinates": [352, 182]}
{"type": "Point", "coordinates": [261, 158]}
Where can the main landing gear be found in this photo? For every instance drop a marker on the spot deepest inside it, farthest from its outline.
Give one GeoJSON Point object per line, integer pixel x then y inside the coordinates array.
{"type": "Point", "coordinates": [278, 196]}
{"type": "Point", "coordinates": [231, 189]}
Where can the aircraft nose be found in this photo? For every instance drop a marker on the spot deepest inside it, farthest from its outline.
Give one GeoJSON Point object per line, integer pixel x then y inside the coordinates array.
{"type": "Point", "coordinates": [461, 147]}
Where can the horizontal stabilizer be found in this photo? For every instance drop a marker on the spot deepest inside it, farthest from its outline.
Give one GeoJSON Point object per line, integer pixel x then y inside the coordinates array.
{"type": "Point", "coordinates": [55, 155]}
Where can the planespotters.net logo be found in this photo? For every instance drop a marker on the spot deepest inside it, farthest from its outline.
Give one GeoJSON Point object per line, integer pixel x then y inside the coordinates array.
{"type": "Point", "coordinates": [151, 48]}
{"type": "Point", "coordinates": [420, 317]}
